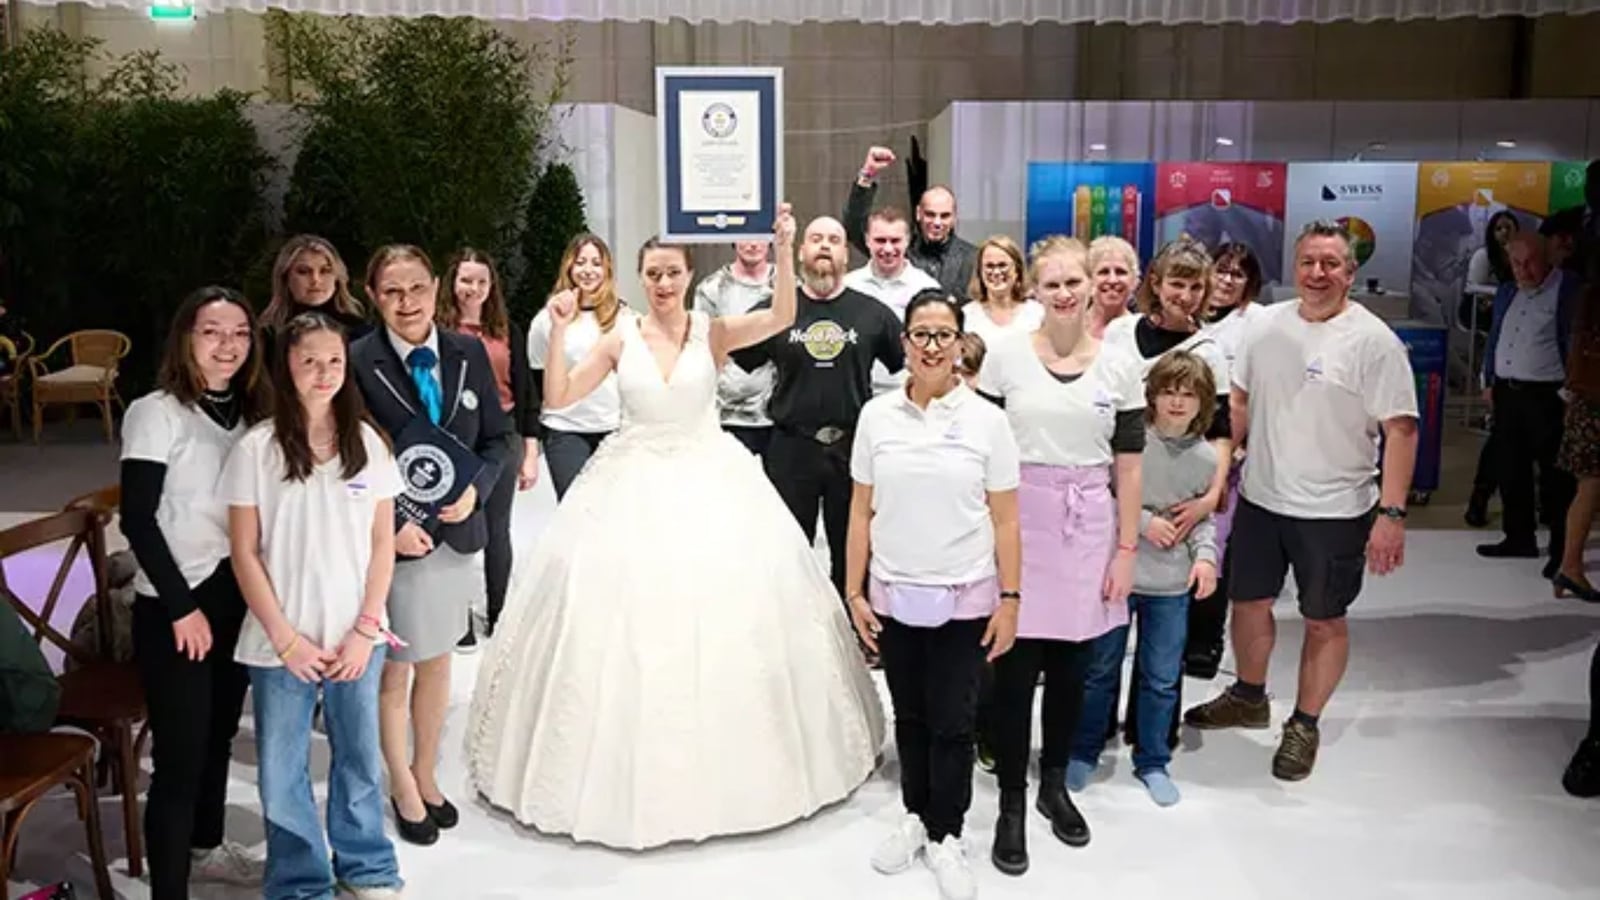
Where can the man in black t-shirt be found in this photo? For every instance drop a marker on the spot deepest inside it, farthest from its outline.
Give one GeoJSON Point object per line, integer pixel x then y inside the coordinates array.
{"type": "Point", "coordinates": [823, 365]}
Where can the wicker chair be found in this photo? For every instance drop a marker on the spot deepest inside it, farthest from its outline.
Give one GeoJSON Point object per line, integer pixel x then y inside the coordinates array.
{"type": "Point", "coordinates": [91, 378]}
{"type": "Point", "coordinates": [17, 358]}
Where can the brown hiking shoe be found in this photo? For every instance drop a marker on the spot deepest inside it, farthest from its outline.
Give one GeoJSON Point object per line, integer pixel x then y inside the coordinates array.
{"type": "Point", "coordinates": [1227, 710]}
{"type": "Point", "coordinates": [1297, 752]}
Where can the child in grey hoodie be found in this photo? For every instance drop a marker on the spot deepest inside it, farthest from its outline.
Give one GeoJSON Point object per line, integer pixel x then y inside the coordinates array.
{"type": "Point", "coordinates": [1178, 465]}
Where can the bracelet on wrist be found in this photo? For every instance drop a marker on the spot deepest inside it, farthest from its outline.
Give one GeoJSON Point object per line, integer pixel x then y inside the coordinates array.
{"type": "Point", "coordinates": [284, 653]}
{"type": "Point", "coordinates": [1127, 548]}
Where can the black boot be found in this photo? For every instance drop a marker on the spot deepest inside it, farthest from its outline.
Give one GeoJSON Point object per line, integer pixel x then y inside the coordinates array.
{"type": "Point", "coordinates": [1066, 822]}
{"type": "Point", "coordinates": [1010, 854]}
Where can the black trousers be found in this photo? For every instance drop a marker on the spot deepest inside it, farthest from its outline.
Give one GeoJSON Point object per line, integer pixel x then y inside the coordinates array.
{"type": "Point", "coordinates": [933, 676]}
{"type": "Point", "coordinates": [497, 554]}
{"type": "Point", "coordinates": [1594, 695]}
{"type": "Point", "coordinates": [809, 475]}
{"type": "Point", "coordinates": [1528, 419]}
{"type": "Point", "coordinates": [566, 453]}
{"type": "Point", "coordinates": [755, 439]}
{"type": "Point", "coordinates": [1486, 478]}
{"type": "Point", "coordinates": [194, 714]}
{"type": "Point", "coordinates": [1016, 674]}
{"type": "Point", "coordinates": [1208, 618]}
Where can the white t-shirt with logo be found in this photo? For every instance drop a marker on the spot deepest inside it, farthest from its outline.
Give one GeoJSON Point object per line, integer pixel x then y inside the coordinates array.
{"type": "Point", "coordinates": [1123, 333]}
{"type": "Point", "coordinates": [316, 536]}
{"type": "Point", "coordinates": [1318, 393]}
{"type": "Point", "coordinates": [1229, 331]}
{"type": "Point", "coordinates": [931, 472]}
{"type": "Point", "coordinates": [601, 410]}
{"type": "Point", "coordinates": [192, 518]}
{"type": "Point", "coordinates": [1060, 423]}
{"type": "Point", "coordinates": [1024, 318]}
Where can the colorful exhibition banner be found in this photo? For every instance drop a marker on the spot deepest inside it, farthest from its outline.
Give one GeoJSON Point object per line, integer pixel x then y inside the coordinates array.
{"type": "Point", "coordinates": [1566, 185]}
{"type": "Point", "coordinates": [1376, 202]}
{"type": "Point", "coordinates": [1218, 203]}
{"type": "Point", "coordinates": [1086, 200]}
{"type": "Point", "coordinates": [1427, 346]}
{"type": "Point", "coordinates": [1455, 202]}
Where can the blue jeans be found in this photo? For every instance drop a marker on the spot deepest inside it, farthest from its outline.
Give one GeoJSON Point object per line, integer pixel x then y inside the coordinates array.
{"type": "Point", "coordinates": [298, 865]}
{"type": "Point", "coordinates": [1163, 631]}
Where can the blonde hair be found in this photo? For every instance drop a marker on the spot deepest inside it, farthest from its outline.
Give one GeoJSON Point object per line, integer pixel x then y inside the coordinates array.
{"type": "Point", "coordinates": [282, 303]}
{"type": "Point", "coordinates": [1178, 369]}
{"type": "Point", "coordinates": [1057, 245]}
{"type": "Point", "coordinates": [606, 305]}
{"type": "Point", "coordinates": [1182, 258]}
{"type": "Point", "coordinates": [1003, 243]}
{"type": "Point", "coordinates": [1110, 245]}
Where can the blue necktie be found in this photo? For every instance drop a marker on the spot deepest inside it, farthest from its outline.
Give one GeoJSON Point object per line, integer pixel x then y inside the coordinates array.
{"type": "Point", "coordinates": [421, 362]}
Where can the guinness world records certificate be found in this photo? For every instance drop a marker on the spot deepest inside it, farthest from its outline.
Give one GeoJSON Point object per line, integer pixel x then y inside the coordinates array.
{"type": "Point", "coordinates": [719, 140]}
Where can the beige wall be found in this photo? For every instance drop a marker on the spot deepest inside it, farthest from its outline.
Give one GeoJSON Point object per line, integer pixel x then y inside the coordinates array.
{"type": "Point", "coordinates": [845, 83]}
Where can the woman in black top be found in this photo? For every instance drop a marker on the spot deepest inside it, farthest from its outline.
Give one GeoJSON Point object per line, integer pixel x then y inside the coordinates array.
{"type": "Point", "coordinates": [309, 275]}
{"type": "Point", "coordinates": [188, 610]}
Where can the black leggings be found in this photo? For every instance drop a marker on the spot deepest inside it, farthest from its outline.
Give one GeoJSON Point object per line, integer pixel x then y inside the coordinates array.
{"type": "Point", "coordinates": [194, 715]}
{"type": "Point", "coordinates": [1016, 674]}
{"type": "Point", "coordinates": [497, 554]}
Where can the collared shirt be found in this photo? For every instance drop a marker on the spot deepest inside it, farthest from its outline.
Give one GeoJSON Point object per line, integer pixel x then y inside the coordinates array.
{"type": "Point", "coordinates": [931, 471]}
{"type": "Point", "coordinates": [1530, 347]}
{"type": "Point", "coordinates": [403, 348]}
{"type": "Point", "coordinates": [895, 292]}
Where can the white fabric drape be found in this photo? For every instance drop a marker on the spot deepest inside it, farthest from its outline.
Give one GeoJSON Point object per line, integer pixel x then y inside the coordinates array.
{"type": "Point", "coordinates": [927, 12]}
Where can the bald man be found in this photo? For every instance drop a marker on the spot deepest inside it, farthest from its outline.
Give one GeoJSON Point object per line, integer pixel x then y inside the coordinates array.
{"type": "Point", "coordinates": [823, 376]}
{"type": "Point", "coordinates": [1524, 368]}
{"type": "Point", "coordinates": [934, 247]}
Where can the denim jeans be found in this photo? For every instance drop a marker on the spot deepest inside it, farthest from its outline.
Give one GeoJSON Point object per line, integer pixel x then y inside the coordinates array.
{"type": "Point", "coordinates": [1163, 629]}
{"type": "Point", "coordinates": [298, 864]}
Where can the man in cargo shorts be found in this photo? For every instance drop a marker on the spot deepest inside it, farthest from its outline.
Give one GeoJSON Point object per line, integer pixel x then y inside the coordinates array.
{"type": "Point", "coordinates": [1316, 383]}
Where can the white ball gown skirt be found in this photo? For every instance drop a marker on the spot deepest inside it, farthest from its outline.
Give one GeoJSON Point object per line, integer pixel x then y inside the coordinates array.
{"type": "Point", "coordinates": [673, 662]}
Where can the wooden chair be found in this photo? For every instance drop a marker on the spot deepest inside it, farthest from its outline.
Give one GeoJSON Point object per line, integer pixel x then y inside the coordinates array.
{"type": "Point", "coordinates": [101, 697]}
{"type": "Point", "coordinates": [11, 382]}
{"type": "Point", "coordinates": [35, 764]}
{"type": "Point", "coordinates": [91, 378]}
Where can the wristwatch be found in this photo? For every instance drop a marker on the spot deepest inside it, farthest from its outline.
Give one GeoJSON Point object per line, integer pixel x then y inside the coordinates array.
{"type": "Point", "coordinates": [1011, 595]}
{"type": "Point", "coordinates": [1398, 513]}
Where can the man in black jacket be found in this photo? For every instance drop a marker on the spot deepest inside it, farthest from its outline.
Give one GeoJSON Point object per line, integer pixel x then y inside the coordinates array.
{"type": "Point", "coordinates": [934, 247]}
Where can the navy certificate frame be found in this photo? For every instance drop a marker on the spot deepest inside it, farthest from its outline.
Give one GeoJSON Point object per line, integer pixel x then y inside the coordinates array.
{"type": "Point", "coordinates": [719, 142]}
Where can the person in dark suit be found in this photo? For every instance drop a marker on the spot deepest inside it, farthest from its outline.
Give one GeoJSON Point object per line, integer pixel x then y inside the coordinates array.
{"type": "Point", "coordinates": [406, 369]}
{"type": "Point", "coordinates": [472, 302]}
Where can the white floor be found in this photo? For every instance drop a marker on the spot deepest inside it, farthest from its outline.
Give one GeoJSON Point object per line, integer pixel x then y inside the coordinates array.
{"type": "Point", "coordinates": [1438, 778]}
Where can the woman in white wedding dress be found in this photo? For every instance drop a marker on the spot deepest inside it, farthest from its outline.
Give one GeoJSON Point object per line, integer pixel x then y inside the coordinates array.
{"type": "Point", "coordinates": [673, 662]}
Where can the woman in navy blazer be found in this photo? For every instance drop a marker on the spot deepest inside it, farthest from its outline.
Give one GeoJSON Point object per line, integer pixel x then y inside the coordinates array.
{"type": "Point", "coordinates": [409, 368]}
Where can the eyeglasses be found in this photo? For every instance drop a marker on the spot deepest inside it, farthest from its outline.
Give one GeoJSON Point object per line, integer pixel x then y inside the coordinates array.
{"type": "Point", "coordinates": [924, 338]}
{"type": "Point", "coordinates": [1231, 274]}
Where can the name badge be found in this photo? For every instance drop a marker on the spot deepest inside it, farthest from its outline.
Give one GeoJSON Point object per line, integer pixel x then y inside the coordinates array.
{"type": "Point", "coordinates": [469, 398]}
{"type": "Point", "coordinates": [357, 490]}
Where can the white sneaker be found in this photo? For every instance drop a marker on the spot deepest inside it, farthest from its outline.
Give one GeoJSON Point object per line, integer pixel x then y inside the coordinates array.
{"type": "Point", "coordinates": [948, 860]}
{"type": "Point", "coordinates": [228, 863]}
{"type": "Point", "coordinates": [899, 850]}
{"type": "Point", "coordinates": [374, 893]}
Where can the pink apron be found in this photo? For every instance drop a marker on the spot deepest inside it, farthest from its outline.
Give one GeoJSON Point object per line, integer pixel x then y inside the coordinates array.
{"type": "Point", "coordinates": [1069, 534]}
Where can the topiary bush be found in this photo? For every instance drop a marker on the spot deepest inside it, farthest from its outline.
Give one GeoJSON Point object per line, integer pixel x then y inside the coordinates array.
{"type": "Point", "coordinates": [555, 214]}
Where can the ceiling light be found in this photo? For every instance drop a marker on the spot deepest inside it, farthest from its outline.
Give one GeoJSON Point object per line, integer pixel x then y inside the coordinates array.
{"type": "Point", "coordinates": [1224, 142]}
{"type": "Point", "coordinates": [1505, 145]}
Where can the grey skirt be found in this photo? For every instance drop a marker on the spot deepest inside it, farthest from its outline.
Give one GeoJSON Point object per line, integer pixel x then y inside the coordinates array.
{"type": "Point", "coordinates": [428, 602]}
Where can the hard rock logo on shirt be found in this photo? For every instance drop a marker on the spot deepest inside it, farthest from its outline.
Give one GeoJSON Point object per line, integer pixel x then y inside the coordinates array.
{"type": "Point", "coordinates": [824, 340]}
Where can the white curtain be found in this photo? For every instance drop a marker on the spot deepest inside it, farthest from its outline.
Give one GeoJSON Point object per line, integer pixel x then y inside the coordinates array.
{"type": "Point", "coordinates": [928, 12]}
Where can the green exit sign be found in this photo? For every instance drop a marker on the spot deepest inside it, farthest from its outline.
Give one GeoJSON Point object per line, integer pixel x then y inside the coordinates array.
{"type": "Point", "coordinates": [171, 12]}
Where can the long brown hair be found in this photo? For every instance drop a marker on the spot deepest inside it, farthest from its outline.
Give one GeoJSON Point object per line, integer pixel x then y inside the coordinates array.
{"type": "Point", "coordinates": [1182, 258]}
{"type": "Point", "coordinates": [606, 305]}
{"type": "Point", "coordinates": [283, 302]}
{"type": "Point", "coordinates": [180, 376]}
{"type": "Point", "coordinates": [977, 292]}
{"type": "Point", "coordinates": [494, 320]}
{"type": "Point", "coordinates": [289, 415]}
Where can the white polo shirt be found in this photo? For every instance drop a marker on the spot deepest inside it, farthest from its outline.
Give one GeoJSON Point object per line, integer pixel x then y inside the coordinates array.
{"type": "Point", "coordinates": [1024, 318]}
{"type": "Point", "coordinates": [601, 410]}
{"type": "Point", "coordinates": [1319, 392]}
{"type": "Point", "coordinates": [193, 519]}
{"type": "Point", "coordinates": [931, 473]}
{"type": "Point", "coordinates": [316, 536]}
{"type": "Point", "coordinates": [896, 293]}
{"type": "Point", "coordinates": [1062, 423]}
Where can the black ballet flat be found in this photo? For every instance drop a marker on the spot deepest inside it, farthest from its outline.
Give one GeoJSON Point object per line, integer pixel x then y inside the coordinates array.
{"type": "Point", "coordinates": [1565, 586]}
{"type": "Point", "coordinates": [444, 815]}
{"type": "Point", "coordinates": [423, 832]}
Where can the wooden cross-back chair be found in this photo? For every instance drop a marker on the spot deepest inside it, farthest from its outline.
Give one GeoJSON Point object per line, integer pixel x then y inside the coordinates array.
{"type": "Point", "coordinates": [35, 764]}
{"type": "Point", "coordinates": [102, 697]}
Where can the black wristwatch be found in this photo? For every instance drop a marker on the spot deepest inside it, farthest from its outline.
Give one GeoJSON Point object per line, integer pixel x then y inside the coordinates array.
{"type": "Point", "coordinates": [1010, 595]}
{"type": "Point", "coordinates": [1398, 513]}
